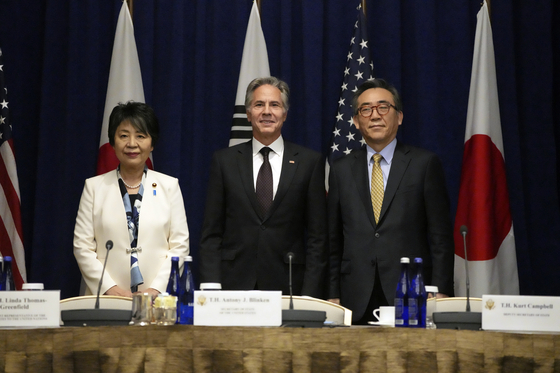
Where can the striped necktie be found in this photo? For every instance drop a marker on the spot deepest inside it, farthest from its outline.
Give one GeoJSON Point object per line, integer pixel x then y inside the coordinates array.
{"type": "Point", "coordinates": [377, 190]}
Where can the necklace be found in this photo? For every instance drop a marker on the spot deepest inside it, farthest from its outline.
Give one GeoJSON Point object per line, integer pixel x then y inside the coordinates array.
{"type": "Point", "coordinates": [132, 187]}
{"type": "Point", "coordinates": [128, 186]}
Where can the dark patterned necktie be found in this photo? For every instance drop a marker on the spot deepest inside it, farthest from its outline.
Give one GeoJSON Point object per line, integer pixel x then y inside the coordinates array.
{"type": "Point", "coordinates": [264, 184]}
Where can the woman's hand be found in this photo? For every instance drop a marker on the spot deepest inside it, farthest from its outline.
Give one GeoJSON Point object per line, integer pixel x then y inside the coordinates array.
{"type": "Point", "coordinates": [153, 292]}
{"type": "Point", "coordinates": [115, 290]}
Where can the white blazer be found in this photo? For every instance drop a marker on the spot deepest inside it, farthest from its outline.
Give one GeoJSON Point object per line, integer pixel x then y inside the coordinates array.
{"type": "Point", "coordinates": [163, 232]}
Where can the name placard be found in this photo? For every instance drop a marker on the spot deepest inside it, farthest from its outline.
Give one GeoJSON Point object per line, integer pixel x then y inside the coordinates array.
{"type": "Point", "coordinates": [521, 313]}
{"type": "Point", "coordinates": [29, 308]}
{"type": "Point", "coordinates": [238, 308]}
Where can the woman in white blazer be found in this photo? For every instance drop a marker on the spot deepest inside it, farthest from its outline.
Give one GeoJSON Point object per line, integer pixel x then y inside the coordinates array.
{"type": "Point", "coordinates": [141, 211]}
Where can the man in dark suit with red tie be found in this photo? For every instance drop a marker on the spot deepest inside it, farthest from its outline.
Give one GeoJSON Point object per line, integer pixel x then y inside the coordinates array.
{"type": "Point", "coordinates": [386, 201]}
{"type": "Point", "coordinates": [266, 198]}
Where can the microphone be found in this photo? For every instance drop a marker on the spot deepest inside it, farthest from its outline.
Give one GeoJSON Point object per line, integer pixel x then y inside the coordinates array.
{"type": "Point", "coordinates": [460, 320]}
{"type": "Point", "coordinates": [300, 318]}
{"type": "Point", "coordinates": [108, 246]}
{"type": "Point", "coordinates": [464, 232]}
{"type": "Point", "coordinates": [77, 312]}
{"type": "Point", "coordinates": [290, 257]}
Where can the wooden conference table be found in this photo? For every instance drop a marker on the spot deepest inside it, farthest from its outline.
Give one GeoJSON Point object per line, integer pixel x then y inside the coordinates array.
{"type": "Point", "coordinates": [255, 349]}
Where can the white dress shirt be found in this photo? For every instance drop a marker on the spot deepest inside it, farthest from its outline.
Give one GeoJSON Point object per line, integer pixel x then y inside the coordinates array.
{"type": "Point", "coordinates": [387, 154]}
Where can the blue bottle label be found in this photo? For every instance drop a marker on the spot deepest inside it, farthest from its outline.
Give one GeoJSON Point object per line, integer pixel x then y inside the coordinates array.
{"type": "Point", "coordinates": [412, 311]}
{"type": "Point", "coordinates": [401, 317]}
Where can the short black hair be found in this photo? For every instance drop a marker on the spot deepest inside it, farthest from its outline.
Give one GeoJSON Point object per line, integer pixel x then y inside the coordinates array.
{"type": "Point", "coordinates": [140, 115]}
{"type": "Point", "coordinates": [377, 83]}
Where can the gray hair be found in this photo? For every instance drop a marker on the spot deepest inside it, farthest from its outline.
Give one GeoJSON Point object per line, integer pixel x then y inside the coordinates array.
{"type": "Point", "coordinates": [269, 80]}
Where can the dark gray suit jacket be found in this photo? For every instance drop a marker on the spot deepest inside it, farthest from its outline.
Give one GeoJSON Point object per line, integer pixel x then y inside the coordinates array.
{"type": "Point", "coordinates": [240, 250]}
{"type": "Point", "coordinates": [414, 222]}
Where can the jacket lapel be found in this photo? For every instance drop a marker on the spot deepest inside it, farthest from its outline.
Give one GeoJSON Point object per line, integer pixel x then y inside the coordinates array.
{"type": "Point", "coordinates": [148, 198]}
{"type": "Point", "coordinates": [113, 201]}
{"type": "Point", "coordinates": [398, 168]}
{"type": "Point", "coordinates": [360, 172]}
{"type": "Point", "coordinates": [290, 164]}
{"type": "Point", "coordinates": [245, 167]}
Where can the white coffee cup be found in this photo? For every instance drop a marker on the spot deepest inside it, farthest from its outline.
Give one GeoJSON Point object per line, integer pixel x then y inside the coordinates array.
{"type": "Point", "coordinates": [385, 315]}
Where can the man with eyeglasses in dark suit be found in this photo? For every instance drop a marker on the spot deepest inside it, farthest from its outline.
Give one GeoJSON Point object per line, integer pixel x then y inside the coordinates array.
{"type": "Point", "coordinates": [386, 201]}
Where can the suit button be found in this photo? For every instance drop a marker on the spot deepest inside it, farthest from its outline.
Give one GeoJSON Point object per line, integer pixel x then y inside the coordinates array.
{"type": "Point", "coordinates": [373, 262]}
{"type": "Point", "coordinates": [263, 227]}
{"type": "Point", "coordinates": [377, 235]}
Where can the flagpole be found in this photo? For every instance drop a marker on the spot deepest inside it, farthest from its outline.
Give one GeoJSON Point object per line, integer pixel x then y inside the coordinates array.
{"type": "Point", "coordinates": [489, 10]}
{"type": "Point", "coordinates": [259, 5]}
{"type": "Point", "coordinates": [364, 7]}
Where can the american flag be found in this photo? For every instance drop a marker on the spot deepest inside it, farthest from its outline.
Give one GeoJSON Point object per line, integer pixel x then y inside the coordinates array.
{"type": "Point", "coordinates": [254, 64]}
{"type": "Point", "coordinates": [359, 68]}
{"type": "Point", "coordinates": [11, 233]}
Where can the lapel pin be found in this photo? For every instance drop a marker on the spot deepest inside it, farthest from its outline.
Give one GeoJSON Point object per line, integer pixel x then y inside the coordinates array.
{"type": "Point", "coordinates": [154, 185]}
{"type": "Point", "coordinates": [292, 161]}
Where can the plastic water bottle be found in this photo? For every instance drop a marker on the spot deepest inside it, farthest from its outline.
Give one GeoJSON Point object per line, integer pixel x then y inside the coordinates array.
{"type": "Point", "coordinates": [401, 296]}
{"type": "Point", "coordinates": [417, 298]}
{"type": "Point", "coordinates": [186, 297]}
{"type": "Point", "coordinates": [7, 275]}
{"type": "Point", "coordinates": [174, 277]}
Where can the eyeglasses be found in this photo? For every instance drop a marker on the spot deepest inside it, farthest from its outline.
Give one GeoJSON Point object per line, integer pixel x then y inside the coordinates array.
{"type": "Point", "coordinates": [382, 109]}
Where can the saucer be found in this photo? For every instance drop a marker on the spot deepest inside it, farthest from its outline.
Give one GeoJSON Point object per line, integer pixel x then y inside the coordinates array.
{"type": "Point", "coordinates": [382, 323]}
